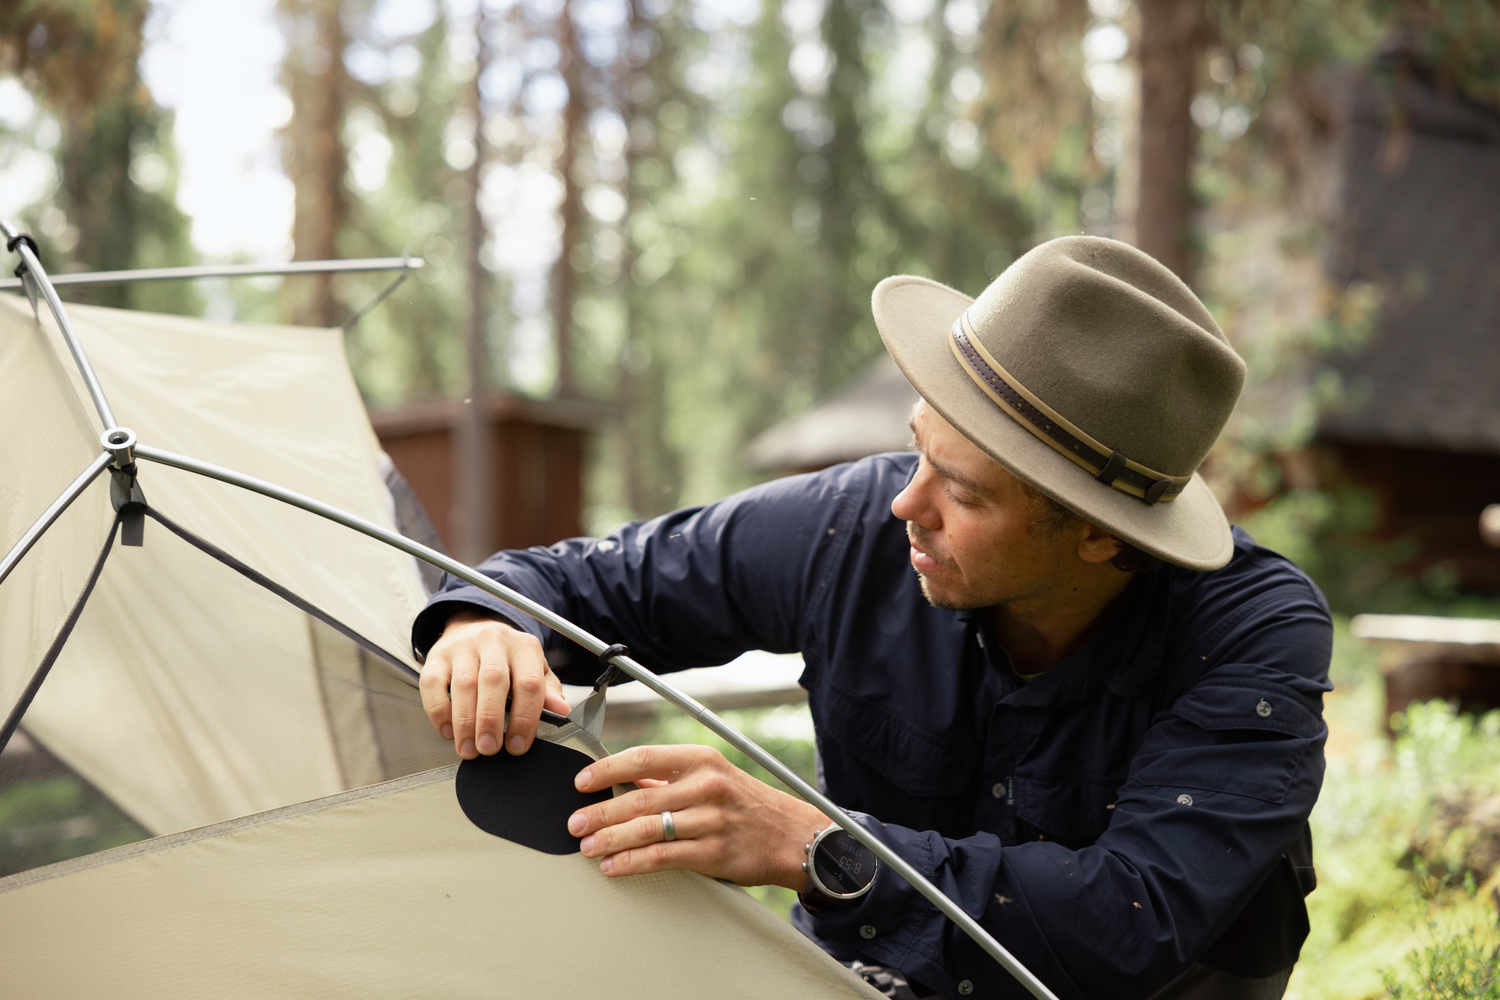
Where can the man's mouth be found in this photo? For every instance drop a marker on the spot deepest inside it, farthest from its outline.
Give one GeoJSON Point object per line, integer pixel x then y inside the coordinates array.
{"type": "Point", "coordinates": [921, 559]}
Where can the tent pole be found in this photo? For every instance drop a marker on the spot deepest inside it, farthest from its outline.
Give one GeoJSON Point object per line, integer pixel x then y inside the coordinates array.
{"type": "Point", "coordinates": [52, 513]}
{"type": "Point", "coordinates": [229, 271]}
{"type": "Point", "coordinates": [734, 737]}
{"type": "Point", "coordinates": [33, 266]}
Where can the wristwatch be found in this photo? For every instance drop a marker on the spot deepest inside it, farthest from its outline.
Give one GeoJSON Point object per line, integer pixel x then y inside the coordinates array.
{"type": "Point", "coordinates": [839, 869]}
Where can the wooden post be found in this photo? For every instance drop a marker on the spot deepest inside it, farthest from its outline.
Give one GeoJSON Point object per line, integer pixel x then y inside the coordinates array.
{"type": "Point", "coordinates": [571, 60]}
{"type": "Point", "coordinates": [473, 488]}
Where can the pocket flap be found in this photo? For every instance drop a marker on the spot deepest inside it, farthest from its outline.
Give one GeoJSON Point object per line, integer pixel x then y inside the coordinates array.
{"type": "Point", "coordinates": [1231, 704]}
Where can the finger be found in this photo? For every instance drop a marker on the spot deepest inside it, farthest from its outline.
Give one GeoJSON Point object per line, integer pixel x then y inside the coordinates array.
{"type": "Point", "coordinates": [620, 809]}
{"type": "Point", "coordinates": [666, 763]}
{"type": "Point", "coordinates": [436, 673]}
{"type": "Point", "coordinates": [463, 692]}
{"type": "Point", "coordinates": [649, 829]}
{"type": "Point", "coordinates": [679, 855]}
{"type": "Point", "coordinates": [528, 681]}
{"type": "Point", "coordinates": [491, 690]}
{"type": "Point", "coordinates": [555, 701]}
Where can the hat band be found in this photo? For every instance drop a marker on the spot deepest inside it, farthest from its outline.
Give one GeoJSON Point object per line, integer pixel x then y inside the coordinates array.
{"type": "Point", "coordinates": [1104, 464]}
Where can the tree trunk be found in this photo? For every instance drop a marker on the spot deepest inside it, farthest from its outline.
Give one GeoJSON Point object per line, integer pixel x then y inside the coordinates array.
{"type": "Point", "coordinates": [1170, 47]}
{"type": "Point", "coordinates": [572, 216]}
{"type": "Point", "coordinates": [473, 488]}
{"type": "Point", "coordinates": [313, 153]}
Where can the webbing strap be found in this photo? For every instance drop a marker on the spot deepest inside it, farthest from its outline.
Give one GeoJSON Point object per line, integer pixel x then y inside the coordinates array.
{"type": "Point", "coordinates": [27, 696]}
{"type": "Point", "coordinates": [255, 576]}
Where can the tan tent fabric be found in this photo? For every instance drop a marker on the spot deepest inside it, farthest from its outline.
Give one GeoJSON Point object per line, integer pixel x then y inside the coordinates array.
{"type": "Point", "coordinates": [187, 694]}
{"type": "Point", "coordinates": [389, 892]}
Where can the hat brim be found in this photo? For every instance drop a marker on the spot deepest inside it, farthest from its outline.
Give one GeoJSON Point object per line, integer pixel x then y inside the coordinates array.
{"type": "Point", "coordinates": [915, 317]}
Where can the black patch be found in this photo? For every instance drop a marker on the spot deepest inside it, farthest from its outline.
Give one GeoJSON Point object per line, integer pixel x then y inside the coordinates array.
{"type": "Point", "coordinates": [527, 799]}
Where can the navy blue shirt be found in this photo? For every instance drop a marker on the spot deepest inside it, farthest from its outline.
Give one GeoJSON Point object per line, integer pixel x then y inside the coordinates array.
{"type": "Point", "coordinates": [1128, 812]}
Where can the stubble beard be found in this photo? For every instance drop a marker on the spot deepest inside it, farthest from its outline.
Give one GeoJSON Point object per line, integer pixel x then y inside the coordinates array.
{"type": "Point", "coordinates": [995, 593]}
{"type": "Point", "coordinates": [918, 536]}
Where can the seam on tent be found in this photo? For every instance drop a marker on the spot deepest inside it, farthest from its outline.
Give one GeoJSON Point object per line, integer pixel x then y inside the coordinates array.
{"type": "Point", "coordinates": [228, 826]}
{"type": "Point", "coordinates": [255, 576]}
{"type": "Point", "coordinates": [13, 721]}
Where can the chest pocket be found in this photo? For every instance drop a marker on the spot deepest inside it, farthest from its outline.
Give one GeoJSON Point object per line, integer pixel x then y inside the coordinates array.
{"type": "Point", "coordinates": [877, 761]}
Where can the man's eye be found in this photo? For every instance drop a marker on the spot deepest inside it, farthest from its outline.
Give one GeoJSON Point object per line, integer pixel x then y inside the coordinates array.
{"type": "Point", "coordinates": [948, 490]}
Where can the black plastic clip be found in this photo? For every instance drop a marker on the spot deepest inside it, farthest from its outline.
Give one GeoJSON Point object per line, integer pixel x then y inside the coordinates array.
{"type": "Point", "coordinates": [20, 238]}
{"type": "Point", "coordinates": [130, 504]}
{"type": "Point", "coordinates": [613, 673]}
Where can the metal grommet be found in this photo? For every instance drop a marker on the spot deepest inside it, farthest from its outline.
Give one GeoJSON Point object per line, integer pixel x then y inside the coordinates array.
{"type": "Point", "coordinates": [867, 931]}
{"type": "Point", "coordinates": [1263, 709]}
{"type": "Point", "coordinates": [966, 987]}
{"type": "Point", "coordinates": [119, 442]}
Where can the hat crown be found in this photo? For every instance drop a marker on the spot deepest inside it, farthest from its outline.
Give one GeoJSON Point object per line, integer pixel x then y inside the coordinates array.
{"type": "Point", "coordinates": [1116, 344]}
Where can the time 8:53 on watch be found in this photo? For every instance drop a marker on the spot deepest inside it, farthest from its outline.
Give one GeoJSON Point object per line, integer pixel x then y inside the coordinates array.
{"type": "Point", "coordinates": [839, 869]}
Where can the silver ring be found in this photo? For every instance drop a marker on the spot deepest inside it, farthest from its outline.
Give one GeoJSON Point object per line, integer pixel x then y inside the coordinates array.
{"type": "Point", "coordinates": [669, 829]}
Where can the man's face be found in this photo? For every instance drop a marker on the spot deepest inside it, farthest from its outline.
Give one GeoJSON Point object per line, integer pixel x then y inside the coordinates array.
{"type": "Point", "coordinates": [971, 526]}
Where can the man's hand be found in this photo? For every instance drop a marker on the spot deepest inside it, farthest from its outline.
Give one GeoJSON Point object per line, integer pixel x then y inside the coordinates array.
{"type": "Point", "coordinates": [729, 825]}
{"type": "Point", "coordinates": [470, 671]}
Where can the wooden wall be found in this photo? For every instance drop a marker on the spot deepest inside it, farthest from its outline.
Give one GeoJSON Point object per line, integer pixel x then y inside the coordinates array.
{"type": "Point", "coordinates": [1435, 497]}
{"type": "Point", "coordinates": [536, 463]}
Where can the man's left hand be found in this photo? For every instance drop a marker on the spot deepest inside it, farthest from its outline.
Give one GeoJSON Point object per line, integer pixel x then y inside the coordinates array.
{"type": "Point", "coordinates": [728, 824]}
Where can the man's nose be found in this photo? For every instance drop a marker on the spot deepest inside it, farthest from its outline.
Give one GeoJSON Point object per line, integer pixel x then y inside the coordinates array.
{"type": "Point", "coordinates": [914, 503]}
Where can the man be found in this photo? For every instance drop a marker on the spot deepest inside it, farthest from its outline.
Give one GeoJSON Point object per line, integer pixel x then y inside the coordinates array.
{"type": "Point", "coordinates": [1092, 716]}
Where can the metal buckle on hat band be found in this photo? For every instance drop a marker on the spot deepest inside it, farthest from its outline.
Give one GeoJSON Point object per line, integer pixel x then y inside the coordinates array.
{"type": "Point", "coordinates": [1104, 464]}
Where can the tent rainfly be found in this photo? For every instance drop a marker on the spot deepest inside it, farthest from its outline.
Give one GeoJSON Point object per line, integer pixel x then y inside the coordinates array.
{"type": "Point", "coordinates": [204, 607]}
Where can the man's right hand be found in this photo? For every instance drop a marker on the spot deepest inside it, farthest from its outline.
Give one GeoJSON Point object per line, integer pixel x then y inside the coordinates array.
{"type": "Point", "coordinates": [470, 671]}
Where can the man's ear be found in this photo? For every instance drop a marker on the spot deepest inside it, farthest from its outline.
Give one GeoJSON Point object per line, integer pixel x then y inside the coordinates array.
{"type": "Point", "coordinates": [1097, 545]}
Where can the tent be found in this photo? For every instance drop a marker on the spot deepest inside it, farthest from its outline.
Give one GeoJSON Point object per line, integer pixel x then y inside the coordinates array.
{"type": "Point", "coordinates": [180, 630]}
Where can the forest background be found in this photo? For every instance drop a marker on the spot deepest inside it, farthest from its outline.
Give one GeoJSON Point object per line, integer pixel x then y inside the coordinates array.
{"type": "Point", "coordinates": [679, 207]}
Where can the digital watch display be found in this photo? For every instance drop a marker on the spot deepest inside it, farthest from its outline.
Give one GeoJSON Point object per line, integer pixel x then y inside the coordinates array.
{"type": "Point", "coordinates": [839, 868]}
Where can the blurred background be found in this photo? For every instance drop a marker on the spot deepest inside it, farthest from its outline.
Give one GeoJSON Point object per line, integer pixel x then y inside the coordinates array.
{"type": "Point", "coordinates": [651, 229]}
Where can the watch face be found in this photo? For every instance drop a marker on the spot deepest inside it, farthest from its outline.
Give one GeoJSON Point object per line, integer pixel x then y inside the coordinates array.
{"type": "Point", "coordinates": [842, 865]}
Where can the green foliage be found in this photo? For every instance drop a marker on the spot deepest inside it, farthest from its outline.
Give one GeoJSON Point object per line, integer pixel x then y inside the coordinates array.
{"type": "Point", "coordinates": [47, 820]}
{"type": "Point", "coordinates": [1398, 829]}
{"type": "Point", "coordinates": [1463, 964]}
{"type": "Point", "coordinates": [114, 203]}
{"type": "Point", "coordinates": [785, 731]}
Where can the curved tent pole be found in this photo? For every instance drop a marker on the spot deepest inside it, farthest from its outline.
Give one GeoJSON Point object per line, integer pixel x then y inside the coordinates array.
{"type": "Point", "coordinates": [734, 737]}
{"type": "Point", "coordinates": [23, 244]}
{"type": "Point", "coordinates": [121, 447]}
{"type": "Point", "coordinates": [52, 513]}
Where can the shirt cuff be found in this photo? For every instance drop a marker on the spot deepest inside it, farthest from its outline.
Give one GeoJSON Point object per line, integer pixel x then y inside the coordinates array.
{"type": "Point", "coordinates": [430, 622]}
{"type": "Point", "coordinates": [893, 924]}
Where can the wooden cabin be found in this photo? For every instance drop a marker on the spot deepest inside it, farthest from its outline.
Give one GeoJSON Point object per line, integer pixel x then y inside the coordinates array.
{"type": "Point", "coordinates": [1421, 221]}
{"type": "Point", "coordinates": [536, 463]}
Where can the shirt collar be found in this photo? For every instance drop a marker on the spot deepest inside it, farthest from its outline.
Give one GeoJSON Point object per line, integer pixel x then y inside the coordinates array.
{"type": "Point", "coordinates": [1126, 653]}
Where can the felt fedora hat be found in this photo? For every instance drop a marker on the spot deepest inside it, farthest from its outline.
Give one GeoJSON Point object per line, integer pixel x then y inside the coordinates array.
{"type": "Point", "coordinates": [1091, 372]}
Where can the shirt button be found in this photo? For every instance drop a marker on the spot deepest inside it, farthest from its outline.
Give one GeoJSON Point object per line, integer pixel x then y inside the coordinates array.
{"type": "Point", "coordinates": [966, 987]}
{"type": "Point", "coordinates": [998, 789]}
{"type": "Point", "coordinates": [867, 931]}
{"type": "Point", "coordinates": [1184, 799]}
{"type": "Point", "coordinates": [1263, 708]}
